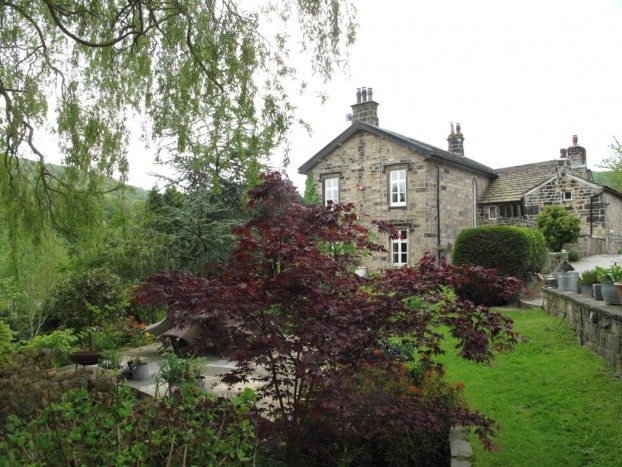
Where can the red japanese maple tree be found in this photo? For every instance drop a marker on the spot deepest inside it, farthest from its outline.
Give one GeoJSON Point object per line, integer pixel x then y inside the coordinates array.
{"type": "Point", "coordinates": [300, 321]}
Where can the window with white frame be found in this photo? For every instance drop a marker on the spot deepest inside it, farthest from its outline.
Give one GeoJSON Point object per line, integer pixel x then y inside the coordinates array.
{"type": "Point", "coordinates": [399, 249]}
{"type": "Point", "coordinates": [492, 212]}
{"type": "Point", "coordinates": [567, 195]}
{"type": "Point", "coordinates": [397, 187]}
{"type": "Point", "coordinates": [331, 190]}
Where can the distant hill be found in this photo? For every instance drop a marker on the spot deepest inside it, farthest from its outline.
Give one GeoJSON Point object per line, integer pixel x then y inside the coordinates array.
{"type": "Point", "coordinates": [132, 193]}
{"type": "Point", "coordinates": [607, 179]}
{"type": "Point", "coordinates": [602, 178]}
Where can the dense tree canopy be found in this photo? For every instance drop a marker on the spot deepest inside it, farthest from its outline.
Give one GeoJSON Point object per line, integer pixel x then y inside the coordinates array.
{"type": "Point", "coordinates": [210, 83]}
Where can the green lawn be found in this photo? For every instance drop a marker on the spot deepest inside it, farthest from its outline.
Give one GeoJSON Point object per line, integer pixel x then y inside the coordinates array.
{"type": "Point", "coordinates": [558, 404]}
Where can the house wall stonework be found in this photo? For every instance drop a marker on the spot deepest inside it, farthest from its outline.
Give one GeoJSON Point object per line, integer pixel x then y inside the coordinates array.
{"type": "Point", "coordinates": [363, 163]}
{"type": "Point", "coordinates": [612, 222]}
{"type": "Point", "coordinates": [585, 203]}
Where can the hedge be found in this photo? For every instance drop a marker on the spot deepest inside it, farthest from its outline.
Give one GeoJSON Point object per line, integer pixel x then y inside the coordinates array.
{"type": "Point", "coordinates": [510, 250]}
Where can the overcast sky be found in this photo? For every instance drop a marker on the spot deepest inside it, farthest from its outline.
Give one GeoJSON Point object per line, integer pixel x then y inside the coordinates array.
{"type": "Point", "coordinates": [521, 77]}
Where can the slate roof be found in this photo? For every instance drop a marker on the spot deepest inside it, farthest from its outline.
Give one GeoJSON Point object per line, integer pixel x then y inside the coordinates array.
{"type": "Point", "coordinates": [514, 182]}
{"type": "Point", "coordinates": [410, 143]}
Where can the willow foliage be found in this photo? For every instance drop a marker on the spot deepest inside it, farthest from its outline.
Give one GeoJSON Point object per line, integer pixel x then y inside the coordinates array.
{"type": "Point", "coordinates": [209, 86]}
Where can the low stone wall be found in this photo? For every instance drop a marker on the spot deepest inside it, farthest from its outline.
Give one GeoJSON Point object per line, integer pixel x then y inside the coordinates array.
{"type": "Point", "coordinates": [461, 452]}
{"type": "Point", "coordinates": [596, 325]}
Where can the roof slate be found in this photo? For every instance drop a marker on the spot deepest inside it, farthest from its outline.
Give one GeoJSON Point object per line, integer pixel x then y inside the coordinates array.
{"type": "Point", "coordinates": [514, 182]}
{"type": "Point", "coordinates": [422, 148]}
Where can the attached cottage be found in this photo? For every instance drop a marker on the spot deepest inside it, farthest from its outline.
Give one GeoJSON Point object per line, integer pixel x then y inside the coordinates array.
{"type": "Point", "coordinates": [429, 194]}
{"type": "Point", "coordinates": [518, 194]}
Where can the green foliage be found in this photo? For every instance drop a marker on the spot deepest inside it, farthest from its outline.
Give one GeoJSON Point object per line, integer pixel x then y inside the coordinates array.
{"type": "Point", "coordinates": [27, 272]}
{"type": "Point", "coordinates": [589, 277]}
{"type": "Point", "coordinates": [103, 426]}
{"type": "Point", "coordinates": [26, 385]}
{"type": "Point", "coordinates": [573, 256]}
{"type": "Point", "coordinates": [6, 339]}
{"type": "Point", "coordinates": [121, 333]}
{"type": "Point", "coordinates": [612, 273]}
{"type": "Point", "coordinates": [511, 250]}
{"type": "Point", "coordinates": [205, 80]}
{"type": "Point", "coordinates": [85, 299]}
{"type": "Point", "coordinates": [191, 231]}
{"type": "Point", "coordinates": [558, 227]}
{"type": "Point", "coordinates": [61, 341]}
{"type": "Point", "coordinates": [311, 195]}
{"type": "Point", "coordinates": [177, 370]}
{"type": "Point", "coordinates": [613, 163]}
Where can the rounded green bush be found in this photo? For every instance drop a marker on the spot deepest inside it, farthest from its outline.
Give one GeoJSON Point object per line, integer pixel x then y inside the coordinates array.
{"type": "Point", "coordinates": [558, 226]}
{"type": "Point", "coordinates": [510, 250]}
{"type": "Point", "coordinates": [88, 298]}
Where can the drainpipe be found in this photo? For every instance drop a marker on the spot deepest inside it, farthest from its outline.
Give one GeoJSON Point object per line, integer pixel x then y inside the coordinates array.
{"type": "Point", "coordinates": [438, 212]}
{"type": "Point", "coordinates": [592, 213]}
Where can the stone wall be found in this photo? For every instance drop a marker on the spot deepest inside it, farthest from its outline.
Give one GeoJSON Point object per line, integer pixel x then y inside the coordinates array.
{"type": "Point", "coordinates": [596, 325]}
{"type": "Point", "coordinates": [584, 203]}
{"type": "Point", "coordinates": [613, 222]}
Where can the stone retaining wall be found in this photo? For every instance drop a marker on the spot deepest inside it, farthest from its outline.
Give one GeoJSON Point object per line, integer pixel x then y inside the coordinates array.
{"type": "Point", "coordinates": [596, 325]}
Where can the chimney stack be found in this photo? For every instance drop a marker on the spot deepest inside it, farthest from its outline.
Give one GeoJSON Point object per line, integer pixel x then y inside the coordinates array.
{"type": "Point", "coordinates": [577, 154]}
{"type": "Point", "coordinates": [456, 141]}
{"type": "Point", "coordinates": [366, 109]}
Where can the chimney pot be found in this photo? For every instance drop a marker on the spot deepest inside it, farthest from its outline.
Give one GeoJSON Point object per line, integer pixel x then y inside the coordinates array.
{"type": "Point", "coordinates": [370, 93]}
{"type": "Point", "coordinates": [358, 95]}
{"type": "Point", "coordinates": [575, 140]}
{"type": "Point", "coordinates": [364, 92]}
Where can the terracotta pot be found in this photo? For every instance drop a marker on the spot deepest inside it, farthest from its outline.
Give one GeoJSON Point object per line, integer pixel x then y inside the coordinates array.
{"type": "Point", "coordinates": [618, 286]}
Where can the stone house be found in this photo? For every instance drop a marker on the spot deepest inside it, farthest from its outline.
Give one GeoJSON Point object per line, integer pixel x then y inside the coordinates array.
{"type": "Point", "coordinates": [518, 194]}
{"type": "Point", "coordinates": [429, 194]}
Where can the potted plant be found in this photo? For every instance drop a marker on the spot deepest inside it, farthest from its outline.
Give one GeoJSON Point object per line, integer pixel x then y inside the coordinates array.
{"type": "Point", "coordinates": [609, 276]}
{"type": "Point", "coordinates": [587, 279]}
{"type": "Point", "coordinates": [138, 367]}
{"type": "Point", "coordinates": [176, 371]}
{"type": "Point", "coordinates": [110, 359]}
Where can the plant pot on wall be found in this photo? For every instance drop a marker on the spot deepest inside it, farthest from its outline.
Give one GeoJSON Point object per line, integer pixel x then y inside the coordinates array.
{"type": "Point", "coordinates": [618, 286]}
{"type": "Point", "coordinates": [597, 293]}
{"type": "Point", "coordinates": [610, 293]}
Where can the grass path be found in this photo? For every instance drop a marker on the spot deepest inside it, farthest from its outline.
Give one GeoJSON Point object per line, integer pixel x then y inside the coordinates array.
{"type": "Point", "coordinates": [558, 404]}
